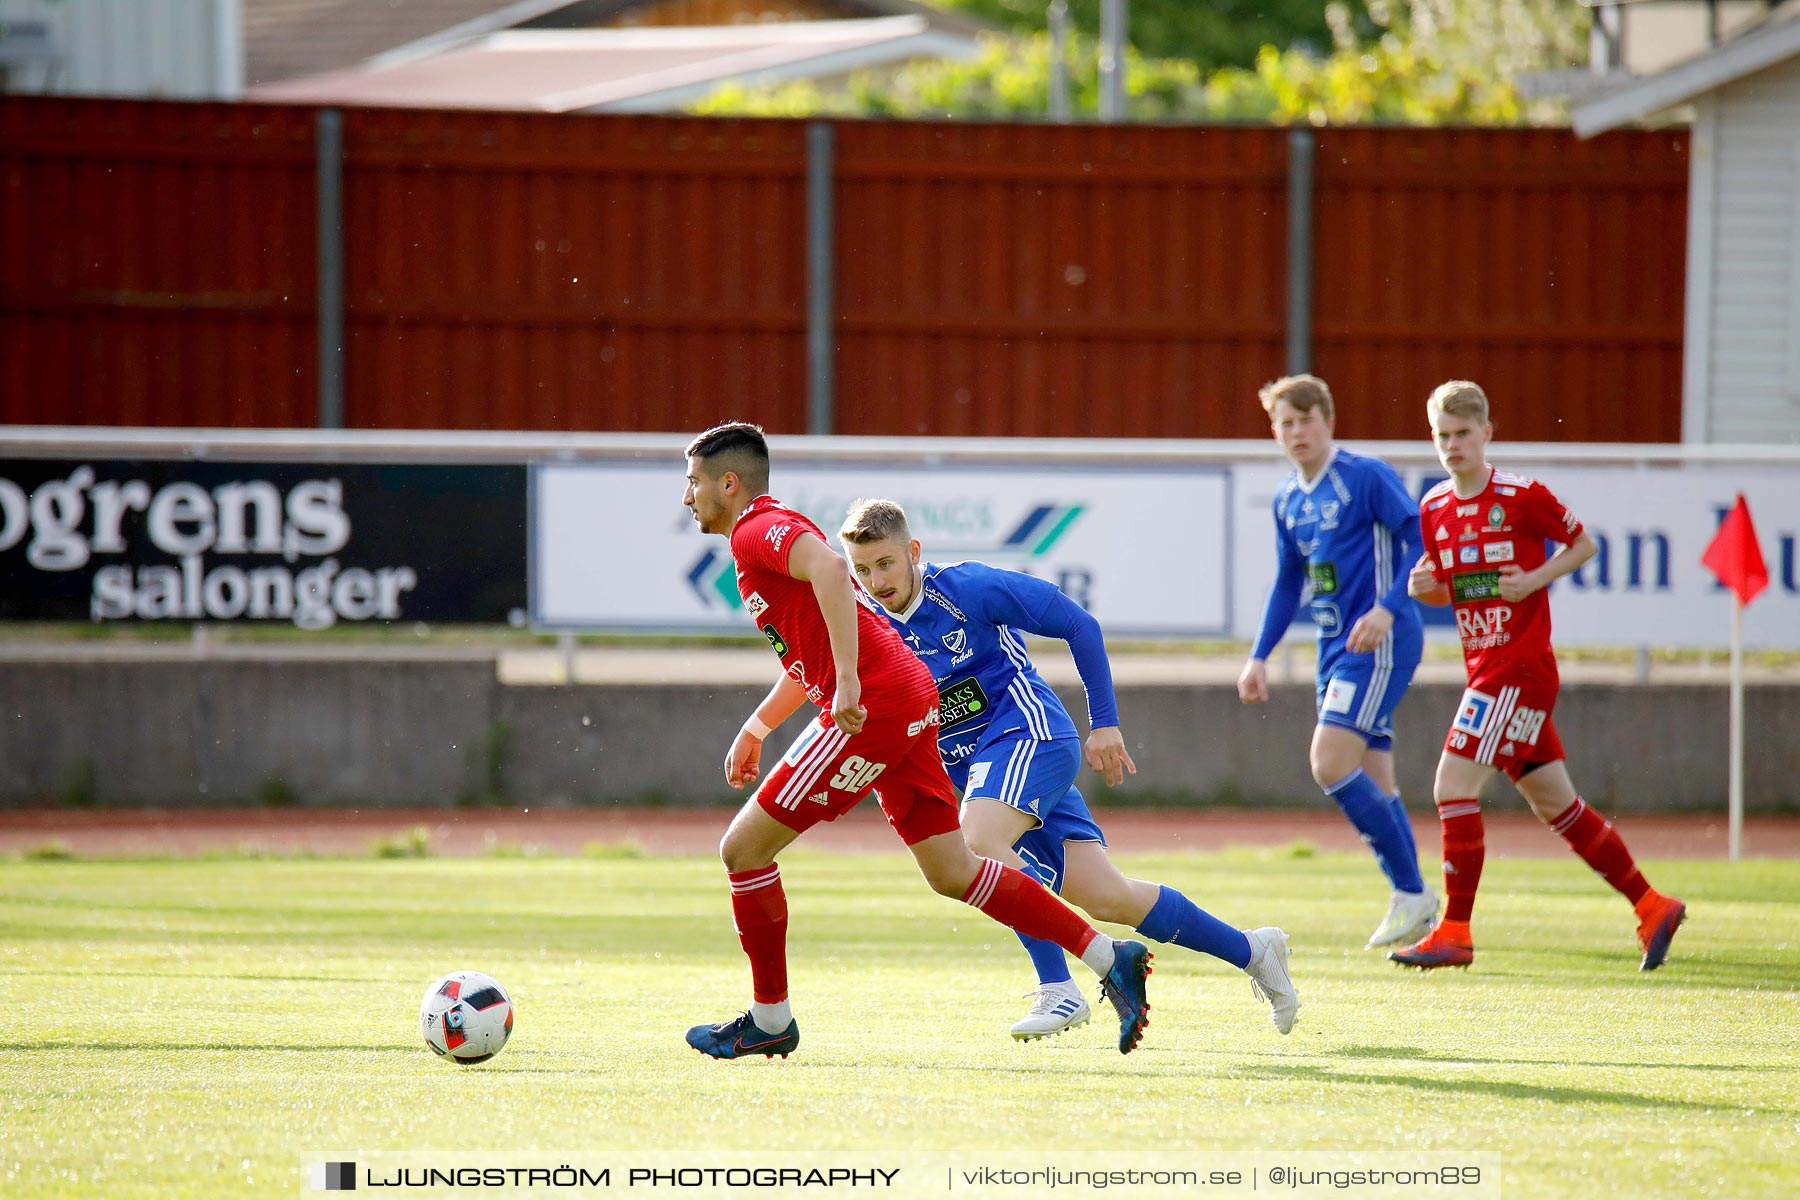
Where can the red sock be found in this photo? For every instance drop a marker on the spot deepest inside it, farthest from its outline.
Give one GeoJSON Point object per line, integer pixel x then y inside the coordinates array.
{"type": "Point", "coordinates": [1464, 851]}
{"type": "Point", "coordinates": [1592, 836]}
{"type": "Point", "coordinates": [1020, 902]}
{"type": "Point", "coordinates": [759, 910]}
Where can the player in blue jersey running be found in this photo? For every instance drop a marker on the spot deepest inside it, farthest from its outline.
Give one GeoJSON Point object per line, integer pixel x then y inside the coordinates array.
{"type": "Point", "coordinates": [1013, 751]}
{"type": "Point", "coordinates": [1346, 534]}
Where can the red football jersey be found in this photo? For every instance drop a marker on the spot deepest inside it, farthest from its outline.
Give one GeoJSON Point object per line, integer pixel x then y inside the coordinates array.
{"type": "Point", "coordinates": [1468, 540]}
{"type": "Point", "coordinates": [785, 609]}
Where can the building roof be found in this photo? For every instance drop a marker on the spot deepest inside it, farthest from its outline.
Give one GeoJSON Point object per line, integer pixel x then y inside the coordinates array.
{"type": "Point", "coordinates": [284, 39]}
{"type": "Point", "coordinates": [644, 69]}
{"type": "Point", "coordinates": [591, 13]}
{"type": "Point", "coordinates": [1769, 42]}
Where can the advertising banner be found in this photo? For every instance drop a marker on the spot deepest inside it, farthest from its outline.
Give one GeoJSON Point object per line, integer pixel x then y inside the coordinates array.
{"type": "Point", "coordinates": [1145, 549]}
{"type": "Point", "coordinates": [309, 545]}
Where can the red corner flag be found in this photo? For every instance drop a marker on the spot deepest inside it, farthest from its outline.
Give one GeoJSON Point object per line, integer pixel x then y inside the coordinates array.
{"type": "Point", "coordinates": [1734, 555]}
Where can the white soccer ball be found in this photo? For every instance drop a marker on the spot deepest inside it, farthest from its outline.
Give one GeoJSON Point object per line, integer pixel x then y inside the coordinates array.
{"type": "Point", "coordinates": [466, 1016]}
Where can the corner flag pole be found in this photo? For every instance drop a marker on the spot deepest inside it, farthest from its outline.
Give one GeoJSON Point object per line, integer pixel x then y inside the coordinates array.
{"type": "Point", "coordinates": [1735, 787]}
{"type": "Point", "coordinates": [1736, 561]}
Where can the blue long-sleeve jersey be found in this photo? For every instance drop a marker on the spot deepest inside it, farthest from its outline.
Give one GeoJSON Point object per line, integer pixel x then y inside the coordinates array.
{"type": "Point", "coordinates": [965, 623]}
{"type": "Point", "coordinates": [1347, 540]}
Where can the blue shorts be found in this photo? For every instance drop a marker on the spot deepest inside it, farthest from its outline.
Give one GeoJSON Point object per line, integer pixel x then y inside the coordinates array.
{"type": "Point", "coordinates": [1359, 692]}
{"type": "Point", "coordinates": [1038, 779]}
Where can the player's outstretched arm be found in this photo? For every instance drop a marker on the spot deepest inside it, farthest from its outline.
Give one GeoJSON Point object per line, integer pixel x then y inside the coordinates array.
{"type": "Point", "coordinates": [1422, 585]}
{"type": "Point", "coordinates": [1037, 606]}
{"type": "Point", "coordinates": [1369, 629]}
{"type": "Point", "coordinates": [743, 762]}
{"type": "Point", "coordinates": [1278, 614]}
{"type": "Point", "coordinates": [1401, 517]}
{"type": "Point", "coordinates": [812, 561]}
{"type": "Point", "coordinates": [1106, 754]}
{"type": "Point", "coordinates": [1253, 683]}
{"type": "Point", "coordinates": [1516, 583]}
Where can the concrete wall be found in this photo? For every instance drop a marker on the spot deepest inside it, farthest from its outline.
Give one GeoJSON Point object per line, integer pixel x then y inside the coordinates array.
{"type": "Point", "coordinates": [422, 732]}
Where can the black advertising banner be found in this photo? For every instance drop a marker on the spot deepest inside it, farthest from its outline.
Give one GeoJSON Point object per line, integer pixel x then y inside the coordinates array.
{"type": "Point", "coordinates": [312, 545]}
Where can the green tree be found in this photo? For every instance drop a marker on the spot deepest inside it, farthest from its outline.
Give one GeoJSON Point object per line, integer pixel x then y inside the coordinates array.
{"type": "Point", "coordinates": [1209, 33]}
{"type": "Point", "coordinates": [1011, 79]}
{"type": "Point", "coordinates": [1423, 62]}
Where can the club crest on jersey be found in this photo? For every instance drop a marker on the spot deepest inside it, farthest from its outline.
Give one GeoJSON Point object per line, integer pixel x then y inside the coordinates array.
{"type": "Point", "coordinates": [1496, 517]}
{"type": "Point", "coordinates": [1328, 515]}
{"type": "Point", "coordinates": [956, 641]}
{"type": "Point", "coordinates": [755, 605]}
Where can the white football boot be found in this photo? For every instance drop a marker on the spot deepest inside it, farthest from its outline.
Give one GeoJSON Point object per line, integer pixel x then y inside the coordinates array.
{"type": "Point", "coordinates": [1054, 1008]}
{"type": "Point", "coordinates": [1409, 918]}
{"type": "Point", "coordinates": [1269, 978]}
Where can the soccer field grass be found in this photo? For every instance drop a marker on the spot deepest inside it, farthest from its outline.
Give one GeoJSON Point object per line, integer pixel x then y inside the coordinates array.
{"type": "Point", "coordinates": [197, 1027]}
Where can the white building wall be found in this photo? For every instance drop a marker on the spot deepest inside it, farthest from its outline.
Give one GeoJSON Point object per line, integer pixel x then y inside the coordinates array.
{"type": "Point", "coordinates": [174, 49]}
{"type": "Point", "coordinates": [1754, 336]}
{"type": "Point", "coordinates": [1660, 33]}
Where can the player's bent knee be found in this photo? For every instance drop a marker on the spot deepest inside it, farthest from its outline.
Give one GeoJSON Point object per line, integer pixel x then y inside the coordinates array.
{"type": "Point", "coordinates": [947, 885]}
{"type": "Point", "coordinates": [739, 855]}
{"type": "Point", "coordinates": [984, 845]}
{"type": "Point", "coordinates": [948, 879]}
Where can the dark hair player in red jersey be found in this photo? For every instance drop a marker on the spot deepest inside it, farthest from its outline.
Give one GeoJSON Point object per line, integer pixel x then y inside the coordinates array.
{"type": "Point", "coordinates": [878, 723]}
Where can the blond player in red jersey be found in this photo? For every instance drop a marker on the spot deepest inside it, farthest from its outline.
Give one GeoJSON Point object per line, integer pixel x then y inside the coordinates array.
{"type": "Point", "coordinates": [878, 722]}
{"type": "Point", "coordinates": [1484, 532]}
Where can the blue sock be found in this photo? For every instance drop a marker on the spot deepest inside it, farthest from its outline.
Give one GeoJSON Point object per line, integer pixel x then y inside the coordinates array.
{"type": "Point", "coordinates": [1406, 829]}
{"type": "Point", "coordinates": [1048, 959]}
{"type": "Point", "coordinates": [1373, 816]}
{"type": "Point", "coordinates": [1179, 921]}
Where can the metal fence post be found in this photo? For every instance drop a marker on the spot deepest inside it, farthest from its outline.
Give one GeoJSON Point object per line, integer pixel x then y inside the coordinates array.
{"type": "Point", "coordinates": [1115, 19]}
{"type": "Point", "coordinates": [821, 302]}
{"type": "Point", "coordinates": [1301, 148]}
{"type": "Point", "coordinates": [329, 141]}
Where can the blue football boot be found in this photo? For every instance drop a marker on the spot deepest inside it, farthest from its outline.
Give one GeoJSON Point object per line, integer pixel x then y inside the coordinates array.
{"type": "Point", "coordinates": [1124, 987]}
{"type": "Point", "coordinates": [741, 1036]}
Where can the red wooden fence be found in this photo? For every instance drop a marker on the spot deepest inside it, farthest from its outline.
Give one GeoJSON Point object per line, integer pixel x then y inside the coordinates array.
{"type": "Point", "coordinates": [632, 273]}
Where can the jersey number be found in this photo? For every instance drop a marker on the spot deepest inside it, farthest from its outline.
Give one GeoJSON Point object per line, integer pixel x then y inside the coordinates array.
{"type": "Point", "coordinates": [1525, 725]}
{"type": "Point", "coordinates": [856, 774]}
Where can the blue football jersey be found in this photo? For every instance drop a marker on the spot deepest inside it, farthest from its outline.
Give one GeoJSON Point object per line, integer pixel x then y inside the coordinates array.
{"type": "Point", "coordinates": [965, 624]}
{"type": "Point", "coordinates": [1350, 536]}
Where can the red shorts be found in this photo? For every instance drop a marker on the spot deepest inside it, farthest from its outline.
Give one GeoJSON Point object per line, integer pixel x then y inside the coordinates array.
{"type": "Point", "coordinates": [1508, 727]}
{"type": "Point", "coordinates": [826, 772]}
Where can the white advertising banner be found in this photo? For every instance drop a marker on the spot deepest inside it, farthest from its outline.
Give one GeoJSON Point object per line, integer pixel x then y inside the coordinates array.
{"type": "Point", "coordinates": [1155, 549]}
{"type": "Point", "coordinates": [1146, 549]}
